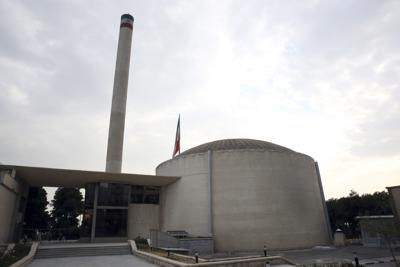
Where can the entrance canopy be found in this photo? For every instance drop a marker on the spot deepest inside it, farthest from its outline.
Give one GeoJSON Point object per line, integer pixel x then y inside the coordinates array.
{"type": "Point", "coordinates": [37, 176]}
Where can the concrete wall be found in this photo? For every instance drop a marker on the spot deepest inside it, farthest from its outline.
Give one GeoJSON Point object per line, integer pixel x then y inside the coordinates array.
{"type": "Point", "coordinates": [160, 239]}
{"type": "Point", "coordinates": [203, 246]}
{"type": "Point", "coordinates": [8, 199]}
{"type": "Point", "coordinates": [395, 196]}
{"type": "Point", "coordinates": [142, 218]}
{"type": "Point", "coordinates": [7, 205]}
{"type": "Point", "coordinates": [260, 197]}
{"type": "Point", "coordinates": [266, 198]}
{"type": "Point", "coordinates": [185, 203]}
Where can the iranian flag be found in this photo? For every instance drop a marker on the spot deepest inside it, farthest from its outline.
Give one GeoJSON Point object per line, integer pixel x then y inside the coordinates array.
{"type": "Point", "coordinates": [177, 146]}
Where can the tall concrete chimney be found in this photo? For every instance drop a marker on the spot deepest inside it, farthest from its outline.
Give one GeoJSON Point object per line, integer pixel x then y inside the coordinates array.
{"type": "Point", "coordinates": [120, 90]}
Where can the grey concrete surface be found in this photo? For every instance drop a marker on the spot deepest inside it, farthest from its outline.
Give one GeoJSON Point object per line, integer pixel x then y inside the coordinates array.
{"type": "Point", "coordinates": [120, 91]}
{"type": "Point", "coordinates": [368, 256]}
{"type": "Point", "coordinates": [99, 261]}
{"type": "Point", "coordinates": [11, 216]}
{"type": "Point", "coordinates": [394, 192]}
{"type": "Point", "coordinates": [386, 264]}
{"type": "Point", "coordinates": [184, 205]}
{"type": "Point", "coordinates": [260, 197]}
{"type": "Point", "coordinates": [266, 198]}
{"type": "Point", "coordinates": [365, 254]}
{"type": "Point", "coordinates": [385, 261]}
{"type": "Point", "coordinates": [142, 218]}
{"type": "Point", "coordinates": [7, 200]}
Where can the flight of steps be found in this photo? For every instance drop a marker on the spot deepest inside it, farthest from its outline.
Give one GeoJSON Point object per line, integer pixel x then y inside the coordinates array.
{"type": "Point", "coordinates": [81, 250]}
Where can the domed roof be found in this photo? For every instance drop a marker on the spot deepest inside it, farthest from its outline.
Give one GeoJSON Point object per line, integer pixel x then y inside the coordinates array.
{"type": "Point", "coordinates": [236, 144]}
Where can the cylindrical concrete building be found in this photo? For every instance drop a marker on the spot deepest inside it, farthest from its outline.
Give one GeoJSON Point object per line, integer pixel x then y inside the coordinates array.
{"type": "Point", "coordinates": [120, 91]}
{"type": "Point", "coordinates": [246, 194]}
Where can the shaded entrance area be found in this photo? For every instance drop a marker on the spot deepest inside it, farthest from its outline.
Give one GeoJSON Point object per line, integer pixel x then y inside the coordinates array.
{"type": "Point", "coordinates": [107, 207]}
{"type": "Point", "coordinates": [108, 198]}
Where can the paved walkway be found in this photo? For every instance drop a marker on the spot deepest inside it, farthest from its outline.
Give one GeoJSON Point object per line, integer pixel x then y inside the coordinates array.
{"type": "Point", "coordinates": [377, 257]}
{"type": "Point", "coordinates": [97, 261]}
{"type": "Point", "coordinates": [365, 254]}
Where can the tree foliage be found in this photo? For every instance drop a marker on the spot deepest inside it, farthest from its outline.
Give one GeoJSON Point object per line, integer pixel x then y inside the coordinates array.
{"type": "Point", "coordinates": [36, 216]}
{"type": "Point", "coordinates": [342, 211]}
{"type": "Point", "coordinates": [67, 206]}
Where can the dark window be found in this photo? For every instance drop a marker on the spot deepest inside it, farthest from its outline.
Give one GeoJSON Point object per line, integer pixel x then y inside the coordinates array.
{"type": "Point", "coordinates": [89, 195]}
{"type": "Point", "coordinates": [86, 227]}
{"type": "Point", "coordinates": [22, 204]}
{"type": "Point", "coordinates": [145, 194]}
{"type": "Point", "coordinates": [111, 222]}
{"type": "Point", "coordinates": [137, 194]}
{"type": "Point", "coordinates": [113, 195]}
{"type": "Point", "coordinates": [151, 195]}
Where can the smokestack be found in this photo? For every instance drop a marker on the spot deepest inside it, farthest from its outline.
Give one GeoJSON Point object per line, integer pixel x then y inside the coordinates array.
{"type": "Point", "coordinates": [120, 90]}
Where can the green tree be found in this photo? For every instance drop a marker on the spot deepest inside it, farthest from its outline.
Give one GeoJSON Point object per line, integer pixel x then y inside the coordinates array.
{"type": "Point", "coordinates": [67, 206]}
{"type": "Point", "coordinates": [36, 216]}
{"type": "Point", "coordinates": [342, 211]}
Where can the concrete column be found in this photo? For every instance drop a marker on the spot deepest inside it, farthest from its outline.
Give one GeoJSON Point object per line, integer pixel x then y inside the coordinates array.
{"type": "Point", "coordinates": [94, 215]}
{"type": "Point", "coordinates": [120, 91]}
{"type": "Point", "coordinates": [12, 235]}
{"type": "Point", "coordinates": [210, 190]}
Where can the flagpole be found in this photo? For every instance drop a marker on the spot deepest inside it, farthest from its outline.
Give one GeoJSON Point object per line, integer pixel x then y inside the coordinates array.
{"type": "Point", "coordinates": [179, 120]}
{"type": "Point", "coordinates": [177, 145]}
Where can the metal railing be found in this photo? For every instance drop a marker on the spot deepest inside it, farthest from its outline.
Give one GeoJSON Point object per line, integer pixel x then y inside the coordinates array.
{"type": "Point", "coordinates": [52, 234]}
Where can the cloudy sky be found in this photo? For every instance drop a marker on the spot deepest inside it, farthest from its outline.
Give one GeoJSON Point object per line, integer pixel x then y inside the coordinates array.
{"type": "Point", "coordinates": [319, 77]}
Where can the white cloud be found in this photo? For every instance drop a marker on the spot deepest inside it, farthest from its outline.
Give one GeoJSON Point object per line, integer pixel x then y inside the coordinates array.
{"type": "Point", "coordinates": [320, 77]}
{"type": "Point", "coordinates": [17, 96]}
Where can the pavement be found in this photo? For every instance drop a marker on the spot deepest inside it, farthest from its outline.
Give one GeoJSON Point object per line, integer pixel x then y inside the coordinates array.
{"type": "Point", "coordinates": [388, 264]}
{"type": "Point", "coordinates": [374, 257]}
{"type": "Point", "coordinates": [370, 257]}
{"type": "Point", "coordinates": [366, 255]}
{"type": "Point", "coordinates": [96, 261]}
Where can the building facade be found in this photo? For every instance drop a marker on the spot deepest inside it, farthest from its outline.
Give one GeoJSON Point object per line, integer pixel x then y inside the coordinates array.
{"type": "Point", "coordinates": [242, 193]}
{"type": "Point", "coordinates": [246, 194]}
